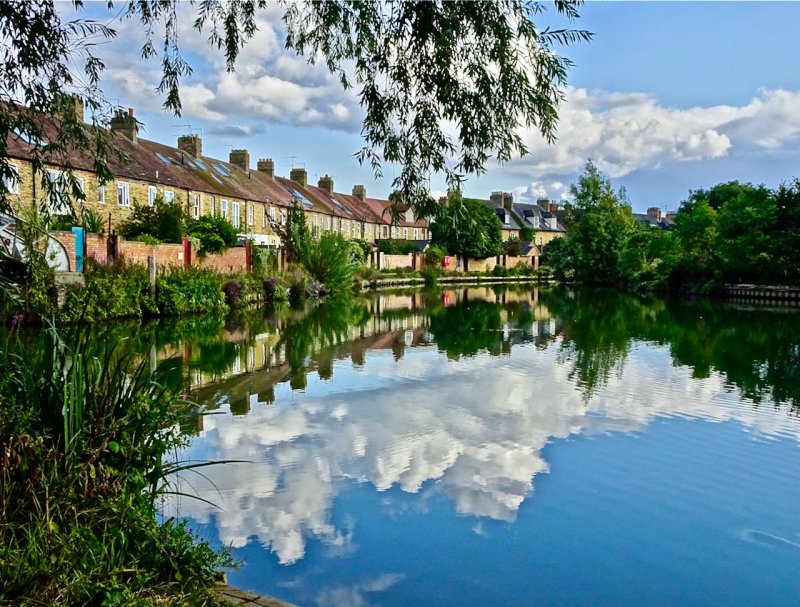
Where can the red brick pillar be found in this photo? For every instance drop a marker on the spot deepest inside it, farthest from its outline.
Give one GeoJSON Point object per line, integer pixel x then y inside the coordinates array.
{"type": "Point", "coordinates": [248, 255]}
{"type": "Point", "coordinates": [187, 252]}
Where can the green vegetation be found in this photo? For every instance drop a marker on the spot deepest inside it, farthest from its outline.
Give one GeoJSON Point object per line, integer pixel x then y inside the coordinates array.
{"type": "Point", "coordinates": [467, 227]}
{"type": "Point", "coordinates": [162, 221]}
{"type": "Point", "coordinates": [393, 246]}
{"type": "Point", "coordinates": [408, 100]}
{"type": "Point", "coordinates": [89, 437]}
{"type": "Point", "coordinates": [214, 234]}
{"type": "Point", "coordinates": [731, 232]}
{"type": "Point", "coordinates": [329, 261]}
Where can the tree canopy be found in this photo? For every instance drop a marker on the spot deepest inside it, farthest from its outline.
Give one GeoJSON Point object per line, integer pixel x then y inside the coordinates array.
{"type": "Point", "coordinates": [444, 85]}
{"type": "Point", "coordinates": [469, 227]}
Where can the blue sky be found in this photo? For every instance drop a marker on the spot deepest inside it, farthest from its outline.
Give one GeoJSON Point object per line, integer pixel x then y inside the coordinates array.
{"type": "Point", "coordinates": [669, 96]}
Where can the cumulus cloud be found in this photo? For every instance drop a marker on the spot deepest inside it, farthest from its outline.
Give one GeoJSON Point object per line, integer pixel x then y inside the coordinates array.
{"type": "Point", "coordinates": [623, 132]}
{"type": "Point", "coordinates": [237, 130]}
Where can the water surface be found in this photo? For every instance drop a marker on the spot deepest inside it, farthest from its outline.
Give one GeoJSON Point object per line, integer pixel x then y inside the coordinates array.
{"type": "Point", "coordinates": [480, 447]}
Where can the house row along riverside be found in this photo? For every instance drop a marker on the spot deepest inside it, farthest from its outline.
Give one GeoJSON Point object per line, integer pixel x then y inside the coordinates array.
{"type": "Point", "coordinates": [253, 200]}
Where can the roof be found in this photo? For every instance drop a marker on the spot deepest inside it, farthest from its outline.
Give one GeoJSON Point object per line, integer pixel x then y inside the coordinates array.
{"type": "Point", "coordinates": [663, 223]}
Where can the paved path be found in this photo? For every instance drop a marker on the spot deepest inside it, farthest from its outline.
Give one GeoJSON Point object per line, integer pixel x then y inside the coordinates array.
{"type": "Point", "coordinates": [249, 599]}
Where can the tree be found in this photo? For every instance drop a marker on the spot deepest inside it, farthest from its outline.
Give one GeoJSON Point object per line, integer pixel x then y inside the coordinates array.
{"type": "Point", "coordinates": [216, 234]}
{"type": "Point", "coordinates": [786, 244]}
{"type": "Point", "coordinates": [297, 237]}
{"type": "Point", "coordinates": [422, 70]}
{"type": "Point", "coordinates": [597, 221]}
{"type": "Point", "coordinates": [162, 221]}
{"type": "Point", "coordinates": [468, 227]}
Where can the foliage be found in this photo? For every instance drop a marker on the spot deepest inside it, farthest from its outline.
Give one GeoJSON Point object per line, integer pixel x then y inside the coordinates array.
{"type": "Point", "coordinates": [597, 220]}
{"type": "Point", "coordinates": [361, 249]}
{"type": "Point", "coordinates": [298, 236]}
{"type": "Point", "coordinates": [88, 437]}
{"type": "Point", "coordinates": [329, 262]}
{"type": "Point", "coordinates": [513, 246]}
{"type": "Point", "coordinates": [215, 234]}
{"type": "Point", "coordinates": [274, 291]}
{"type": "Point", "coordinates": [394, 246]}
{"type": "Point", "coordinates": [233, 293]}
{"type": "Point", "coordinates": [434, 256]}
{"type": "Point", "coordinates": [527, 234]}
{"type": "Point", "coordinates": [482, 50]}
{"type": "Point", "coordinates": [117, 291]}
{"type": "Point", "coordinates": [181, 291]}
{"type": "Point", "coordinates": [431, 274]}
{"type": "Point", "coordinates": [467, 227]}
{"type": "Point", "coordinates": [162, 221]}
{"type": "Point", "coordinates": [466, 329]}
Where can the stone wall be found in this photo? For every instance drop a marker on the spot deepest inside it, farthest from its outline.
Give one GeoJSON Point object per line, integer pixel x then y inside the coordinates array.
{"type": "Point", "coordinates": [232, 260]}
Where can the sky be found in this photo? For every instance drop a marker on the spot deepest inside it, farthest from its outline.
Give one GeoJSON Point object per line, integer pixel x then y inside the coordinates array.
{"type": "Point", "coordinates": [668, 97]}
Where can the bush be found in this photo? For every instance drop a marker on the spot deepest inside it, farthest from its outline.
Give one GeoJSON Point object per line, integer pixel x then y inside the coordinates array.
{"type": "Point", "coordinates": [513, 246]}
{"type": "Point", "coordinates": [361, 250]}
{"type": "Point", "coordinates": [396, 247]}
{"type": "Point", "coordinates": [215, 234]}
{"type": "Point", "coordinates": [147, 239]}
{"type": "Point", "coordinates": [274, 291]}
{"type": "Point", "coordinates": [434, 256]}
{"type": "Point", "coordinates": [431, 274]}
{"type": "Point", "coordinates": [500, 271]}
{"type": "Point", "coordinates": [329, 262]}
{"type": "Point", "coordinates": [233, 293]}
{"type": "Point", "coordinates": [162, 221]}
{"type": "Point", "coordinates": [180, 292]}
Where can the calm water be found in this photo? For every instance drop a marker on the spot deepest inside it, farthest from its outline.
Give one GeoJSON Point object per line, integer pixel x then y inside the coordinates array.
{"type": "Point", "coordinates": [476, 447]}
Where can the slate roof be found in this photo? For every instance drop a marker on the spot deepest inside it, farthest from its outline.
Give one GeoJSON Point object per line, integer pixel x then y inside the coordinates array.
{"type": "Point", "coordinates": [663, 223]}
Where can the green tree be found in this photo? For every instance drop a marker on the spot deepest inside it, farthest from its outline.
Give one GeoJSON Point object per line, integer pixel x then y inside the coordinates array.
{"type": "Point", "coordinates": [786, 243]}
{"type": "Point", "coordinates": [216, 234]}
{"type": "Point", "coordinates": [598, 220]}
{"type": "Point", "coordinates": [647, 257]}
{"type": "Point", "coordinates": [466, 226]}
{"type": "Point", "coordinates": [162, 221]}
{"type": "Point", "coordinates": [417, 67]}
{"type": "Point", "coordinates": [298, 237]}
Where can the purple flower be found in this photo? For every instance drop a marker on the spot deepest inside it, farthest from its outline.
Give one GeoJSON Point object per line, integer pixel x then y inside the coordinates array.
{"type": "Point", "coordinates": [16, 320]}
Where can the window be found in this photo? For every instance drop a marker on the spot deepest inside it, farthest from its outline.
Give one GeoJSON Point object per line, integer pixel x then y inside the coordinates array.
{"type": "Point", "coordinates": [196, 211]}
{"type": "Point", "coordinates": [151, 195]}
{"type": "Point", "coordinates": [272, 214]}
{"type": "Point", "coordinates": [263, 216]}
{"type": "Point", "coordinates": [81, 188]}
{"type": "Point", "coordinates": [283, 218]}
{"type": "Point", "coordinates": [223, 208]}
{"type": "Point", "coordinates": [405, 233]}
{"type": "Point", "coordinates": [250, 213]}
{"type": "Point", "coordinates": [416, 234]}
{"type": "Point", "coordinates": [213, 206]}
{"type": "Point", "coordinates": [235, 213]}
{"type": "Point", "coordinates": [123, 194]}
{"type": "Point", "coordinates": [12, 182]}
{"type": "Point", "coordinates": [385, 231]}
{"type": "Point", "coordinates": [57, 197]}
{"type": "Point", "coordinates": [347, 227]}
{"type": "Point", "coordinates": [313, 225]}
{"type": "Point", "coordinates": [101, 193]}
{"type": "Point", "coordinates": [169, 196]}
{"type": "Point", "coordinates": [329, 224]}
{"type": "Point", "coordinates": [536, 221]}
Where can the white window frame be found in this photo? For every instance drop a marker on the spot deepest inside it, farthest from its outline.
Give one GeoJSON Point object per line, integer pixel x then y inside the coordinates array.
{"type": "Point", "coordinates": [169, 196]}
{"type": "Point", "coordinates": [213, 206]}
{"type": "Point", "coordinates": [101, 193]}
{"type": "Point", "coordinates": [223, 208]}
{"type": "Point", "coordinates": [272, 214]}
{"type": "Point", "coordinates": [329, 223]}
{"type": "Point", "coordinates": [250, 214]}
{"type": "Point", "coordinates": [196, 211]}
{"type": "Point", "coordinates": [235, 215]}
{"type": "Point", "coordinates": [57, 199]}
{"type": "Point", "coordinates": [12, 184]}
{"type": "Point", "coordinates": [123, 194]}
{"type": "Point", "coordinates": [416, 233]}
{"type": "Point", "coordinates": [152, 192]}
{"type": "Point", "coordinates": [536, 221]}
{"type": "Point", "coordinates": [263, 216]}
{"type": "Point", "coordinates": [405, 233]}
{"type": "Point", "coordinates": [283, 217]}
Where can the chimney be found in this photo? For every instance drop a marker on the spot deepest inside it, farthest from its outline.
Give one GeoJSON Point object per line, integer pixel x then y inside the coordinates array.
{"type": "Point", "coordinates": [326, 183]}
{"type": "Point", "coordinates": [299, 176]}
{"type": "Point", "coordinates": [359, 192]}
{"type": "Point", "coordinates": [553, 207]}
{"type": "Point", "coordinates": [191, 144]}
{"type": "Point", "coordinates": [125, 124]}
{"type": "Point", "coordinates": [267, 166]}
{"type": "Point", "coordinates": [503, 199]}
{"type": "Point", "coordinates": [655, 213]}
{"type": "Point", "coordinates": [241, 158]}
{"type": "Point", "coordinates": [74, 107]}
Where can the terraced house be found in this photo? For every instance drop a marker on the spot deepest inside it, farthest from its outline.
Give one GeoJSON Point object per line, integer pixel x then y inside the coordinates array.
{"type": "Point", "coordinates": [254, 200]}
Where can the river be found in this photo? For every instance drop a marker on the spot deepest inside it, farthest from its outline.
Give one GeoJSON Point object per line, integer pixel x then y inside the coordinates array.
{"type": "Point", "coordinates": [499, 447]}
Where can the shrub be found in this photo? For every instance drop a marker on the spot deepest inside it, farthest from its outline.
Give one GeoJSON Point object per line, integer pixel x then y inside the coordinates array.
{"type": "Point", "coordinates": [434, 256]}
{"type": "Point", "coordinates": [162, 221]}
{"type": "Point", "coordinates": [233, 292]}
{"type": "Point", "coordinates": [361, 250]}
{"type": "Point", "coordinates": [513, 246]}
{"type": "Point", "coordinates": [147, 239]}
{"type": "Point", "coordinates": [500, 271]}
{"type": "Point", "coordinates": [215, 234]}
{"type": "Point", "coordinates": [396, 247]}
{"type": "Point", "coordinates": [179, 292]}
{"type": "Point", "coordinates": [274, 291]}
{"type": "Point", "coordinates": [329, 261]}
{"type": "Point", "coordinates": [431, 274]}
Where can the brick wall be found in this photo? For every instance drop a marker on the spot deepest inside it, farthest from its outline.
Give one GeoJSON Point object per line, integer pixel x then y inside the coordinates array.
{"type": "Point", "coordinates": [96, 247]}
{"type": "Point", "coordinates": [167, 255]}
{"type": "Point", "coordinates": [232, 260]}
{"type": "Point", "coordinates": [68, 240]}
{"type": "Point", "coordinates": [483, 265]}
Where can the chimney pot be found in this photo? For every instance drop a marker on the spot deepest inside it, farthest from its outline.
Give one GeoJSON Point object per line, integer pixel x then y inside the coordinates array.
{"type": "Point", "coordinates": [125, 125]}
{"type": "Point", "coordinates": [267, 166]}
{"type": "Point", "coordinates": [241, 158]}
{"type": "Point", "coordinates": [300, 176]}
{"type": "Point", "coordinates": [191, 144]}
{"type": "Point", "coordinates": [326, 183]}
{"type": "Point", "coordinates": [359, 192]}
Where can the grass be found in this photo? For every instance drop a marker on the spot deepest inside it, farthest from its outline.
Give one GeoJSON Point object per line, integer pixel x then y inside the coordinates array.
{"type": "Point", "coordinates": [89, 438]}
